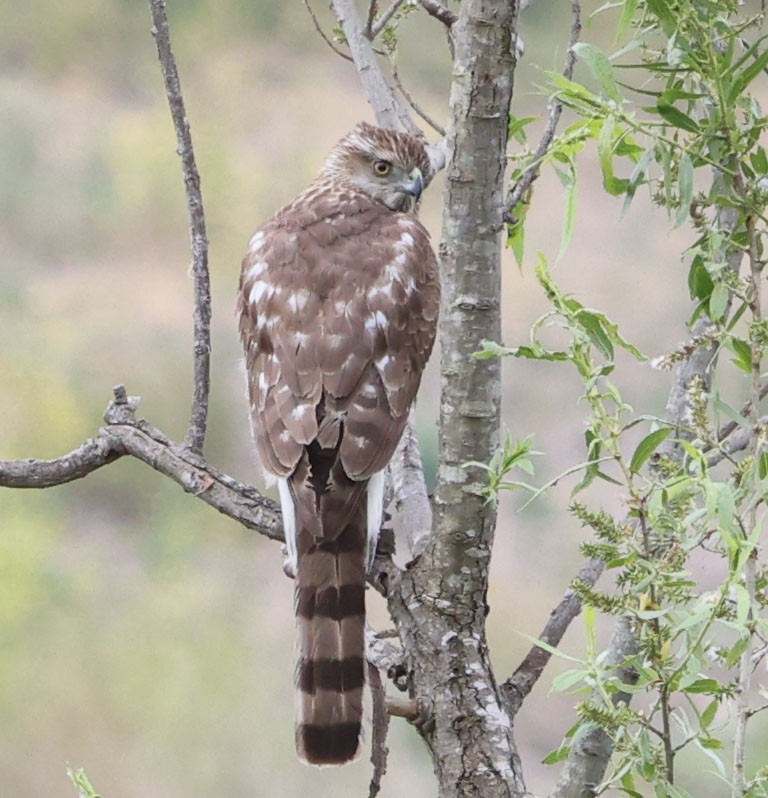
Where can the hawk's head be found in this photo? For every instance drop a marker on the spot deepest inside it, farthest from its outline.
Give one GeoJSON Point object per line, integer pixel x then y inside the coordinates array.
{"type": "Point", "coordinates": [389, 166]}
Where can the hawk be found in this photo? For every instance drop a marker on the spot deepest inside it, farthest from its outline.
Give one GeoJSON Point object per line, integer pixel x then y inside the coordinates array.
{"type": "Point", "coordinates": [338, 304]}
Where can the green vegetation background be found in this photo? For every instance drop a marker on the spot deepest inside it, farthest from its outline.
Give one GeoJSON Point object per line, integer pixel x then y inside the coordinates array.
{"type": "Point", "coordinates": [142, 635]}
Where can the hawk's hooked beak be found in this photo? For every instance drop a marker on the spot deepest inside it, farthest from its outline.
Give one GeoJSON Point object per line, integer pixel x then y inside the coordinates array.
{"type": "Point", "coordinates": [415, 184]}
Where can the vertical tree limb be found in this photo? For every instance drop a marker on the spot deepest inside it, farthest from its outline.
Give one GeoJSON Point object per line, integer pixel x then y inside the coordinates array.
{"type": "Point", "coordinates": [195, 436]}
{"type": "Point", "coordinates": [439, 604]}
{"type": "Point", "coordinates": [531, 174]}
{"type": "Point", "coordinates": [388, 110]}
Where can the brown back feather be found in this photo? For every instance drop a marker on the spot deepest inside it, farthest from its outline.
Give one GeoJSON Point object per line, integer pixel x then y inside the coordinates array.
{"type": "Point", "coordinates": [338, 305]}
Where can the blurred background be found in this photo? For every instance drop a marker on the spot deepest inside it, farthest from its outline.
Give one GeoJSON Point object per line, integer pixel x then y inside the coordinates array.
{"type": "Point", "coordinates": [142, 635]}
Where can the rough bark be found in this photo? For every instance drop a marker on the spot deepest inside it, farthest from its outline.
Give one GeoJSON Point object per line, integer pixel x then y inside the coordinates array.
{"type": "Point", "coordinates": [127, 435]}
{"type": "Point", "coordinates": [439, 604]}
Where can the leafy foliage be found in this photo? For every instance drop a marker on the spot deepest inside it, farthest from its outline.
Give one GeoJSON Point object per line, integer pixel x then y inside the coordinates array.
{"type": "Point", "coordinates": [681, 123]}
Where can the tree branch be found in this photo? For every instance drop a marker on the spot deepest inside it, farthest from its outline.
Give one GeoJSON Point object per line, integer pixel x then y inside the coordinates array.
{"type": "Point", "coordinates": [32, 473]}
{"type": "Point", "coordinates": [528, 671]}
{"type": "Point", "coordinates": [323, 35]}
{"type": "Point", "coordinates": [521, 187]}
{"type": "Point", "coordinates": [388, 110]}
{"type": "Point", "coordinates": [439, 12]}
{"type": "Point", "coordinates": [381, 23]}
{"type": "Point", "coordinates": [195, 436]}
{"type": "Point", "coordinates": [127, 435]}
{"type": "Point", "coordinates": [414, 105]}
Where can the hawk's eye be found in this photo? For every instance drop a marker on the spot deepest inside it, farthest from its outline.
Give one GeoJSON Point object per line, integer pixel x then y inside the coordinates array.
{"type": "Point", "coordinates": [382, 168]}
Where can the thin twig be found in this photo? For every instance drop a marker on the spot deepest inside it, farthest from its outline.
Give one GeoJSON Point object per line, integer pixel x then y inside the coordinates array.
{"type": "Point", "coordinates": [739, 440]}
{"type": "Point", "coordinates": [383, 21]}
{"type": "Point", "coordinates": [521, 187]}
{"type": "Point", "coordinates": [373, 9]}
{"type": "Point", "coordinates": [756, 448]}
{"type": "Point", "coordinates": [323, 35]}
{"type": "Point", "coordinates": [745, 411]}
{"type": "Point", "coordinates": [195, 436]}
{"type": "Point", "coordinates": [530, 669]}
{"type": "Point", "coordinates": [439, 12]}
{"type": "Point", "coordinates": [414, 105]}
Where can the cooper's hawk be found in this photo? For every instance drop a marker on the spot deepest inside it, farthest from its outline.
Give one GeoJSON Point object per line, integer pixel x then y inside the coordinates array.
{"type": "Point", "coordinates": [338, 304]}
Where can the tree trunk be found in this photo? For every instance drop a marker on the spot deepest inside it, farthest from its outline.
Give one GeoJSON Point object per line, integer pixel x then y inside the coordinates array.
{"type": "Point", "coordinates": [440, 602]}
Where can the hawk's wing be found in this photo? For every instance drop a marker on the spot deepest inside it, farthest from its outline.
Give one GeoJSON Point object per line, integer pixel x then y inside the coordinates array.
{"type": "Point", "coordinates": [338, 317]}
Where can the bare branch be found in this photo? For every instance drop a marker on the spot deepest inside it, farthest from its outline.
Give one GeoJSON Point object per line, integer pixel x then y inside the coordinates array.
{"type": "Point", "coordinates": [127, 435]}
{"type": "Point", "coordinates": [323, 35]}
{"type": "Point", "coordinates": [521, 187]}
{"type": "Point", "coordinates": [528, 671]}
{"type": "Point", "coordinates": [31, 473]}
{"type": "Point", "coordinates": [739, 440]}
{"type": "Point", "coordinates": [382, 22]}
{"type": "Point", "coordinates": [195, 437]}
{"type": "Point", "coordinates": [439, 12]}
{"type": "Point", "coordinates": [389, 111]}
{"type": "Point", "coordinates": [373, 9]}
{"type": "Point", "coordinates": [414, 105]}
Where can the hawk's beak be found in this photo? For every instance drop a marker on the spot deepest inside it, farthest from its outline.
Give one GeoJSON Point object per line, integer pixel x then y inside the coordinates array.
{"type": "Point", "coordinates": [415, 184]}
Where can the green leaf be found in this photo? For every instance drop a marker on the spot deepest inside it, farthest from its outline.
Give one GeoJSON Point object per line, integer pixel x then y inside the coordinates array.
{"type": "Point", "coordinates": [708, 715]}
{"type": "Point", "coordinates": [647, 447]}
{"type": "Point", "coordinates": [491, 350]}
{"type": "Point", "coordinates": [605, 152]}
{"type": "Point", "coordinates": [570, 215]}
{"type": "Point", "coordinates": [747, 76]}
{"type": "Point", "coordinates": [537, 352]}
{"type": "Point", "coordinates": [718, 302]}
{"type": "Point", "coordinates": [676, 118]}
{"type": "Point", "coordinates": [743, 353]}
{"type": "Point", "coordinates": [743, 604]}
{"type": "Point", "coordinates": [600, 67]}
{"type": "Point", "coordinates": [703, 686]}
{"type": "Point", "coordinates": [699, 282]}
{"type": "Point", "coordinates": [556, 756]}
{"type": "Point", "coordinates": [665, 14]}
{"type": "Point", "coordinates": [710, 742]}
{"type": "Point", "coordinates": [627, 15]}
{"type": "Point", "coordinates": [564, 681]}
{"type": "Point", "coordinates": [759, 161]}
{"type": "Point", "coordinates": [516, 129]}
{"type": "Point", "coordinates": [685, 188]}
{"type": "Point", "coordinates": [591, 324]}
{"type": "Point", "coordinates": [570, 89]}
{"type": "Point", "coordinates": [549, 648]}
{"type": "Point", "coordinates": [80, 780]}
{"type": "Point", "coordinates": [516, 233]}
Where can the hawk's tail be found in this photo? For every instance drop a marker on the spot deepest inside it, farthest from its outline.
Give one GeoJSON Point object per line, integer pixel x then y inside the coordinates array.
{"type": "Point", "coordinates": [330, 619]}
